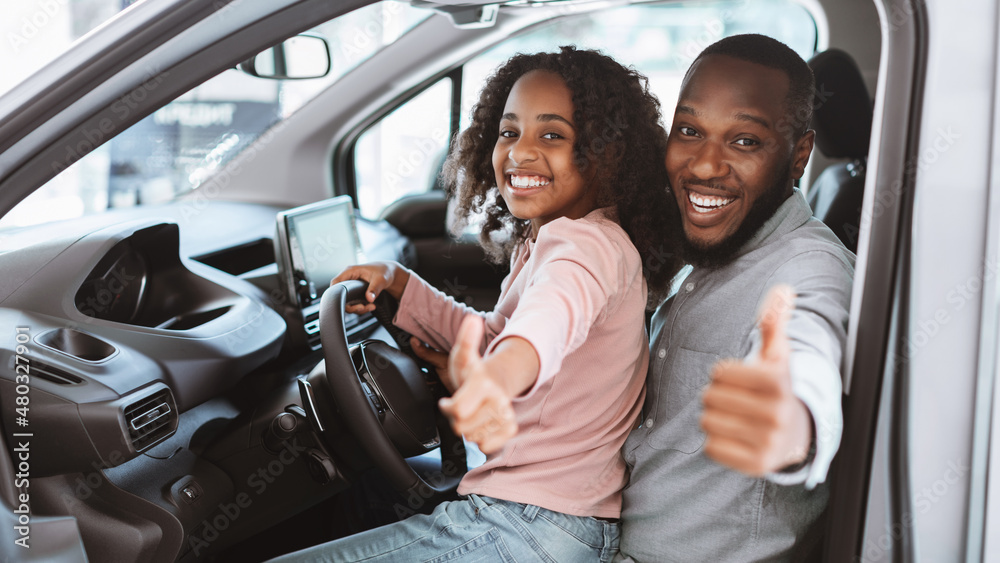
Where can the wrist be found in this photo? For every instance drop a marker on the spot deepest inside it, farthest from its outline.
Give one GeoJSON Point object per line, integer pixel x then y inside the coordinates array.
{"type": "Point", "coordinates": [805, 450]}
{"type": "Point", "coordinates": [795, 467]}
{"type": "Point", "coordinates": [400, 277]}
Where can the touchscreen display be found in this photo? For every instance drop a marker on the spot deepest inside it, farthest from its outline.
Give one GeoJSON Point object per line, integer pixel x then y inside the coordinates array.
{"type": "Point", "coordinates": [319, 240]}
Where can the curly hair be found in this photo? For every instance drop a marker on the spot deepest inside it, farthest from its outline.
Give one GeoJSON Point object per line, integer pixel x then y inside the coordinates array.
{"type": "Point", "coordinates": [619, 132]}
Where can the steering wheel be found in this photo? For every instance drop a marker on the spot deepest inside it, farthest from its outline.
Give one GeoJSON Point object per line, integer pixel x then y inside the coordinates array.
{"type": "Point", "coordinates": [385, 399]}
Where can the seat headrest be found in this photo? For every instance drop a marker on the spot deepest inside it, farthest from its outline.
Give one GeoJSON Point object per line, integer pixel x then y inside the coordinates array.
{"type": "Point", "coordinates": [842, 116]}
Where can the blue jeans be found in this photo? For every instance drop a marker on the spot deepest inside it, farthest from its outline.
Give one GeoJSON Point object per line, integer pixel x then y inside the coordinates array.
{"type": "Point", "coordinates": [477, 528]}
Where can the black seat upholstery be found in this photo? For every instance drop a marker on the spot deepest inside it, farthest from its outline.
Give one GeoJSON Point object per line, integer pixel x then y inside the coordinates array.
{"type": "Point", "coordinates": [843, 123]}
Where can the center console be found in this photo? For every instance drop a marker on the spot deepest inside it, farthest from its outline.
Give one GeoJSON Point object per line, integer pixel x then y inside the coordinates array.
{"type": "Point", "coordinates": [314, 243]}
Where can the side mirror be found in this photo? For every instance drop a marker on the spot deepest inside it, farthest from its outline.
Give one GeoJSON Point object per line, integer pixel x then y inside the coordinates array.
{"type": "Point", "coordinates": [295, 58]}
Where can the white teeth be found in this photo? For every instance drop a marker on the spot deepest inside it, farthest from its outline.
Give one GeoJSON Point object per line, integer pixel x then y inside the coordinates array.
{"type": "Point", "coordinates": [704, 204]}
{"type": "Point", "coordinates": [527, 181]}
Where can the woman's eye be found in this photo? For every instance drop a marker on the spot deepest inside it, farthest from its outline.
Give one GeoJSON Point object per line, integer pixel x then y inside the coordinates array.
{"type": "Point", "coordinates": [687, 131]}
{"type": "Point", "coordinates": [508, 134]}
{"type": "Point", "coordinates": [745, 142]}
{"type": "Point", "coordinates": [552, 136]}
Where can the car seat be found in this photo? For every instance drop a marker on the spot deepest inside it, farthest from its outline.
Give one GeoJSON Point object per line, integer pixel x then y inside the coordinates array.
{"type": "Point", "coordinates": [842, 119]}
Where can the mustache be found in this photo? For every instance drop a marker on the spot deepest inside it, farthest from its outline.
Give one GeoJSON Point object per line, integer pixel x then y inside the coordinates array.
{"type": "Point", "coordinates": [706, 184]}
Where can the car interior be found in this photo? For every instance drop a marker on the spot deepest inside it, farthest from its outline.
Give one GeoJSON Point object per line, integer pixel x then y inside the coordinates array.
{"type": "Point", "coordinates": [196, 391]}
{"type": "Point", "coordinates": [843, 123]}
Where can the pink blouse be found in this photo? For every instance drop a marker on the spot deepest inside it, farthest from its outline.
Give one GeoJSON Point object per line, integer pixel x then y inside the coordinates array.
{"type": "Point", "coordinates": [578, 296]}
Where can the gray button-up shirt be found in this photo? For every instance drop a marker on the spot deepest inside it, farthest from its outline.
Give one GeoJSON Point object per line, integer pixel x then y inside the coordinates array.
{"type": "Point", "coordinates": [679, 504]}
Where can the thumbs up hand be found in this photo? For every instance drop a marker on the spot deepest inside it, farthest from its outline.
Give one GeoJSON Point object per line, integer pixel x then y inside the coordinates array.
{"type": "Point", "coordinates": [480, 407]}
{"type": "Point", "coordinates": [753, 421]}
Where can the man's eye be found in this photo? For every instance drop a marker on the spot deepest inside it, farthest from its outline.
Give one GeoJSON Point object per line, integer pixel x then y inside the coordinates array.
{"type": "Point", "coordinates": [744, 142]}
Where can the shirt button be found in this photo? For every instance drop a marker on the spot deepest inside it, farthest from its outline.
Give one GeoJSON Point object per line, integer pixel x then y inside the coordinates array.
{"type": "Point", "coordinates": [661, 353]}
{"type": "Point", "coordinates": [649, 423]}
{"type": "Point", "coordinates": [689, 287]}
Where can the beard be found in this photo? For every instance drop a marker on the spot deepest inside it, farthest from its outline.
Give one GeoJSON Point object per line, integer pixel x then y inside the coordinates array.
{"type": "Point", "coordinates": [714, 256]}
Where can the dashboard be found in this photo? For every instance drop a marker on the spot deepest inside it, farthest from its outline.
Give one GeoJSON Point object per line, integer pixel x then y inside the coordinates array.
{"type": "Point", "coordinates": [137, 316]}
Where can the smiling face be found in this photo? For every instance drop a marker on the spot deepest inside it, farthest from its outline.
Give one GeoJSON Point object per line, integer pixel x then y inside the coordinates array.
{"type": "Point", "coordinates": [730, 156]}
{"type": "Point", "coordinates": [533, 157]}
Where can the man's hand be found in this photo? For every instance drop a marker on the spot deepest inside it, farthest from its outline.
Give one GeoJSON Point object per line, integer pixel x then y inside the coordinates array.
{"type": "Point", "coordinates": [481, 408]}
{"type": "Point", "coordinates": [754, 423]}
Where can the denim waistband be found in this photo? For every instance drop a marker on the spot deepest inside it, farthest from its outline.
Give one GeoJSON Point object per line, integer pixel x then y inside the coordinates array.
{"type": "Point", "coordinates": [529, 511]}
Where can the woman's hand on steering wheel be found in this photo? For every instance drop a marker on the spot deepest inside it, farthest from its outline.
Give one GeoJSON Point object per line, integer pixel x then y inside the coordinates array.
{"type": "Point", "coordinates": [380, 276]}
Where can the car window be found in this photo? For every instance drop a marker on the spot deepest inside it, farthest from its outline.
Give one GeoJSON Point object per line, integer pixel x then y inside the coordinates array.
{"type": "Point", "coordinates": [660, 41]}
{"type": "Point", "coordinates": [183, 143]}
{"type": "Point", "coordinates": [402, 153]}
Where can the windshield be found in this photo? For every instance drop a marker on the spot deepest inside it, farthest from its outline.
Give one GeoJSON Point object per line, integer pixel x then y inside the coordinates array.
{"type": "Point", "coordinates": [37, 32]}
{"type": "Point", "coordinates": [183, 143]}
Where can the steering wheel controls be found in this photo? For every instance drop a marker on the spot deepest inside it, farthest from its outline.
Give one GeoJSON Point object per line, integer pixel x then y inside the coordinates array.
{"type": "Point", "coordinates": [395, 387]}
{"type": "Point", "coordinates": [373, 397]}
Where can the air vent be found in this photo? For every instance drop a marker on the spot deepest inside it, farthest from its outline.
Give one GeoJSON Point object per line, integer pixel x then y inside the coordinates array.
{"type": "Point", "coordinates": [311, 325]}
{"type": "Point", "coordinates": [151, 420]}
{"type": "Point", "coordinates": [53, 374]}
{"type": "Point", "coordinates": [353, 324]}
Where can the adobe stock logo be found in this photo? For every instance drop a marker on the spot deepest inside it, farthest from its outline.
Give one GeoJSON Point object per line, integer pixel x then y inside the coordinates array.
{"type": "Point", "coordinates": [31, 25]}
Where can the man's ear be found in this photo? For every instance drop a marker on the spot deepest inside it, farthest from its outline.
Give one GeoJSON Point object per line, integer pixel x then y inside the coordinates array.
{"type": "Point", "coordinates": [800, 153]}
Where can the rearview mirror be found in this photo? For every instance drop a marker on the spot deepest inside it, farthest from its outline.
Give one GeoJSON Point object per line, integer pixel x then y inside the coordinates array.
{"type": "Point", "coordinates": [295, 58]}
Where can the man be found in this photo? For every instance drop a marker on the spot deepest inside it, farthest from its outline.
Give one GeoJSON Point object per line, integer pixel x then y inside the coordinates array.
{"type": "Point", "coordinates": [738, 141]}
